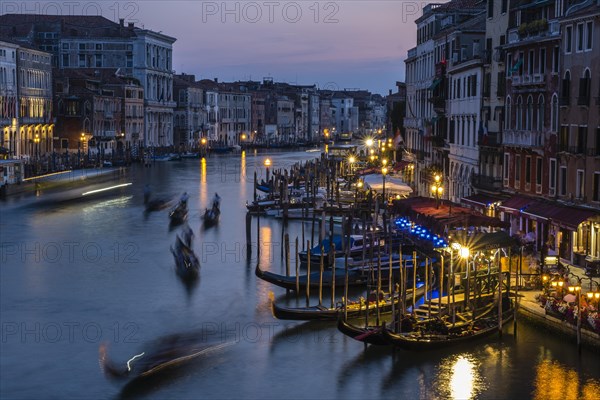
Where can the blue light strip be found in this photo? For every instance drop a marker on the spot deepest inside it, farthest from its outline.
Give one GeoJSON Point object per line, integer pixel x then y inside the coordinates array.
{"type": "Point", "coordinates": [420, 231]}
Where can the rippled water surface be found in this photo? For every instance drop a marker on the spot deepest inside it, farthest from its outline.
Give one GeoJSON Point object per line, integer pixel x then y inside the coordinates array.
{"type": "Point", "coordinates": [80, 271]}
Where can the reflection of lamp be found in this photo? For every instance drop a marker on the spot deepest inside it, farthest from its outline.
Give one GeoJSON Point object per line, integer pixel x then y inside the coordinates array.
{"type": "Point", "coordinates": [267, 164]}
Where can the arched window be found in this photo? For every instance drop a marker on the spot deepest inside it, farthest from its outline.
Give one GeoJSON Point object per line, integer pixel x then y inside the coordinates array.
{"type": "Point", "coordinates": [529, 114]}
{"type": "Point", "coordinates": [554, 114]}
{"type": "Point", "coordinates": [540, 113]}
{"type": "Point", "coordinates": [584, 89]}
{"type": "Point", "coordinates": [508, 115]}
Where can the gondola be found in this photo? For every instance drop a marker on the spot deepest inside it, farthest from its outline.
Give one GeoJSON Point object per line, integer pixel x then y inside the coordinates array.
{"type": "Point", "coordinates": [211, 217]}
{"type": "Point", "coordinates": [156, 205]}
{"type": "Point", "coordinates": [358, 275]}
{"type": "Point", "coordinates": [357, 243]}
{"type": "Point", "coordinates": [374, 334]}
{"type": "Point", "coordinates": [179, 214]}
{"type": "Point", "coordinates": [289, 282]}
{"type": "Point", "coordinates": [424, 338]}
{"type": "Point", "coordinates": [156, 356]}
{"type": "Point", "coordinates": [355, 309]}
{"type": "Point", "coordinates": [370, 335]}
{"type": "Point", "coordinates": [187, 265]}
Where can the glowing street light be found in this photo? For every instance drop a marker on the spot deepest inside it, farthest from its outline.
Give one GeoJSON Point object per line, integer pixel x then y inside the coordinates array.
{"type": "Point", "coordinates": [369, 142]}
{"type": "Point", "coordinates": [437, 189]}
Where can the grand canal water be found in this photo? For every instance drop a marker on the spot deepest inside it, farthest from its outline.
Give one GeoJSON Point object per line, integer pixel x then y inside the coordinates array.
{"type": "Point", "coordinates": [76, 274]}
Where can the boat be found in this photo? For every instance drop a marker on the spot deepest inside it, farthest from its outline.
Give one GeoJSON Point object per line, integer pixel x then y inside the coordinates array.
{"type": "Point", "coordinates": [354, 309]}
{"type": "Point", "coordinates": [161, 158]}
{"type": "Point", "coordinates": [357, 243]}
{"type": "Point", "coordinates": [429, 335]}
{"type": "Point", "coordinates": [370, 334]}
{"type": "Point", "coordinates": [359, 275]}
{"type": "Point", "coordinates": [187, 265]}
{"type": "Point", "coordinates": [157, 205]}
{"type": "Point", "coordinates": [179, 214]}
{"type": "Point", "coordinates": [174, 157]}
{"type": "Point", "coordinates": [221, 149]}
{"type": "Point", "coordinates": [211, 216]}
{"type": "Point", "coordinates": [190, 155]}
{"type": "Point", "coordinates": [158, 355]}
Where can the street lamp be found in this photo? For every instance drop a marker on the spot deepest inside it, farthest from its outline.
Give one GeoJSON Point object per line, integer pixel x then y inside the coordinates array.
{"type": "Point", "coordinates": [359, 186]}
{"type": "Point", "coordinates": [36, 140]}
{"type": "Point", "coordinates": [351, 161]}
{"type": "Point", "coordinates": [384, 172]}
{"type": "Point", "coordinates": [369, 142]}
{"type": "Point", "coordinates": [437, 189]}
{"type": "Point", "coordinates": [465, 253]}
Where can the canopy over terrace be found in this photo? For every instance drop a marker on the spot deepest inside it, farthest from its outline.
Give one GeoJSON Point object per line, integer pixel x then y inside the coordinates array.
{"type": "Point", "coordinates": [424, 211]}
{"type": "Point", "coordinates": [392, 185]}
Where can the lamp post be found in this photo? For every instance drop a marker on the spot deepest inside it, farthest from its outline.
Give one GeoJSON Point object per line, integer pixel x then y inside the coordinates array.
{"type": "Point", "coordinates": [437, 189]}
{"type": "Point", "coordinates": [359, 185]}
{"type": "Point", "coordinates": [36, 140]}
{"type": "Point", "coordinates": [351, 161]}
{"type": "Point", "coordinates": [464, 254]}
{"type": "Point", "coordinates": [384, 172]}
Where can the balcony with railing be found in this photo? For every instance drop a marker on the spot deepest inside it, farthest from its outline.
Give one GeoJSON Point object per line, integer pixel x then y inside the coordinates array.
{"type": "Point", "coordinates": [534, 30]}
{"type": "Point", "coordinates": [529, 79]}
{"type": "Point", "coordinates": [413, 123]}
{"type": "Point", "coordinates": [489, 183]}
{"type": "Point", "coordinates": [519, 138]}
{"type": "Point", "coordinates": [490, 140]}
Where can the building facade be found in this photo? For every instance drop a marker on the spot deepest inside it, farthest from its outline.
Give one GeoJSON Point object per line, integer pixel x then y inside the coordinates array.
{"type": "Point", "coordinates": [9, 99]}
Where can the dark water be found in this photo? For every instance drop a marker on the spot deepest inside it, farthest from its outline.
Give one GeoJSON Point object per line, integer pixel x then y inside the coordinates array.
{"type": "Point", "coordinates": [79, 273]}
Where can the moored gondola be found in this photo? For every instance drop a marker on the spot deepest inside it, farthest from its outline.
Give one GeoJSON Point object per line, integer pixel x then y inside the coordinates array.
{"type": "Point", "coordinates": [430, 335]}
{"type": "Point", "coordinates": [354, 309]}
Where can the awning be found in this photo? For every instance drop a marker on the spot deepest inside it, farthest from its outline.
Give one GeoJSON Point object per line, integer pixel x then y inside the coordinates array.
{"type": "Point", "coordinates": [435, 83]}
{"type": "Point", "coordinates": [480, 200]}
{"type": "Point", "coordinates": [563, 216]}
{"type": "Point", "coordinates": [484, 241]}
{"type": "Point", "coordinates": [442, 215]}
{"type": "Point", "coordinates": [516, 203]}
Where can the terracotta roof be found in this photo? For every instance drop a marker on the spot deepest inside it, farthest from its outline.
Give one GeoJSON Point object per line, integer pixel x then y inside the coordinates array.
{"type": "Point", "coordinates": [21, 25]}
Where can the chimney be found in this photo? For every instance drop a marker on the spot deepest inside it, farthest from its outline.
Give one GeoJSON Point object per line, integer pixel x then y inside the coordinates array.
{"type": "Point", "coordinates": [130, 25]}
{"type": "Point", "coordinates": [121, 22]}
{"type": "Point", "coordinates": [216, 80]}
{"type": "Point", "coordinates": [390, 92]}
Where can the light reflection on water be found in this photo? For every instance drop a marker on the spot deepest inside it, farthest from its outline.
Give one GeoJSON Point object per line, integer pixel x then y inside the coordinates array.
{"type": "Point", "coordinates": [554, 381]}
{"type": "Point", "coordinates": [462, 375]}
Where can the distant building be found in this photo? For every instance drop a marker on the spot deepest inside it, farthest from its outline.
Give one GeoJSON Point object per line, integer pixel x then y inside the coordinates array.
{"type": "Point", "coordinates": [78, 41]}
{"type": "Point", "coordinates": [34, 123]}
{"type": "Point", "coordinates": [9, 122]}
{"type": "Point", "coordinates": [190, 114]}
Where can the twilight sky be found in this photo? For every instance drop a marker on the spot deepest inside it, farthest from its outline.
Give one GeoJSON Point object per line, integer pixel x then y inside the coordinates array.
{"type": "Point", "coordinates": [334, 44]}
